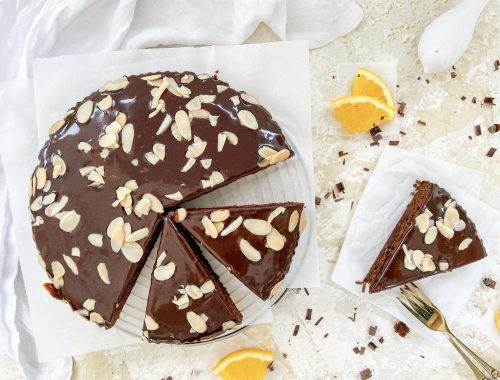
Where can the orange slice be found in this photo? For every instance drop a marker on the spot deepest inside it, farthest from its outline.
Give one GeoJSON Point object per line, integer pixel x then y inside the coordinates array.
{"type": "Point", "coordinates": [359, 114]}
{"type": "Point", "coordinates": [247, 364]}
{"type": "Point", "coordinates": [367, 83]}
{"type": "Point", "coordinates": [497, 317]}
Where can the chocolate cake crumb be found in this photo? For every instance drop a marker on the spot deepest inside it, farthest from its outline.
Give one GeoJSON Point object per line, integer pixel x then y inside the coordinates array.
{"type": "Point", "coordinates": [453, 75]}
{"type": "Point", "coordinates": [418, 78]}
{"type": "Point", "coordinates": [489, 100]}
{"type": "Point", "coordinates": [478, 130]}
{"type": "Point", "coordinates": [474, 100]}
{"type": "Point", "coordinates": [491, 152]}
{"type": "Point", "coordinates": [490, 283]}
{"type": "Point", "coordinates": [365, 374]}
{"type": "Point", "coordinates": [470, 137]}
{"type": "Point", "coordinates": [296, 330]}
{"type": "Point", "coordinates": [427, 81]}
{"type": "Point", "coordinates": [356, 350]}
{"type": "Point", "coordinates": [494, 128]}
{"type": "Point", "coordinates": [463, 98]}
{"type": "Point", "coordinates": [318, 321]}
{"type": "Point", "coordinates": [340, 187]}
{"type": "Point", "coordinates": [394, 142]}
{"type": "Point", "coordinates": [401, 329]}
{"type": "Point", "coordinates": [317, 200]}
{"type": "Point", "coordinates": [421, 122]}
{"type": "Point", "coordinates": [308, 314]}
{"type": "Point", "coordinates": [372, 346]}
{"type": "Point", "coordinates": [372, 330]}
{"type": "Point", "coordinates": [381, 339]}
{"type": "Point", "coordinates": [285, 355]}
{"type": "Point", "coordinates": [401, 108]}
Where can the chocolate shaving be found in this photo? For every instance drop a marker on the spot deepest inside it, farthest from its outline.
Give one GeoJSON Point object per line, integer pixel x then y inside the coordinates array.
{"type": "Point", "coordinates": [285, 355]}
{"type": "Point", "coordinates": [497, 64]}
{"type": "Point", "coordinates": [453, 75]}
{"type": "Point", "coordinates": [340, 187]}
{"type": "Point", "coordinates": [394, 142]}
{"type": "Point", "coordinates": [372, 330]}
{"type": "Point", "coordinates": [296, 330]}
{"type": "Point", "coordinates": [308, 314]}
{"type": "Point", "coordinates": [401, 329]}
{"type": "Point", "coordinates": [306, 291]}
{"type": "Point", "coordinates": [352, 204]}
{"type": "Point", "coordinates": [339, 199]}
{"type": "Point", "coordinates": [421, 122]}
{"type": "Point", "coordinates": [402, 133]}
{"type": "Point", "coordinates": [327, 195]}
{"type": "Point", "coordinates": [318, 321]}
{"type": "Point", "coordinates": [52, 290]}
{"type": "Point", "coordinates": [356, 350]}
{"type": "Point", "coordinates": [372, 346]}
{"type": "Point", "coordinates": [342, 153]}
{"type": "Point", "coordinates": [463, 98]}
{"type": "Point", "coordinates": [478, 130]}
{"type": "Point", "coordinates": [353, 318]}
{"type": "Point", "coordinates": [490, 283]}
{"type": "Point", "coordinates": [381, 339]}
{"type": "Point", "coordinates": [366, 169]}
{"type": "Point", "coordinates": [489, 100]}
{"type": "Point", "coordinates": [494, 128]}
{"type": "Point", "coordinates": [325, 336]}
{"type": "Point", "coordinates": [343, 161]}
{"type": "Point", "coordinates": [365, 374]}
{"type": "Point", "coordinates": [363, 288]}
{"type": "Point", "coordinates": [473, 100]}
{"type": "Point", "coordinates": [491, 152]}
{"type": "Point", "coordinates": [374, 143]}
{"type": "Point", "coordinates": [401, 108]}
{"type": "Point", "coordinates": [317, 200]}
{"type": "Point", "coordinates": [427, 81]}
{"type": "Point", "coordinates": [375, 131]}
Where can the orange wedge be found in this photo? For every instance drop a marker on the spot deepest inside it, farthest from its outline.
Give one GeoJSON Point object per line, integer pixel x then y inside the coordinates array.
{"type": "Point", "coordinates": [497, 317]}
{"type": "Point", "coordinates": [247, 364]}
{"type": "Point", "coordinates": [359, 114]}
{"type": "Point", "coordinates": [367, 83]}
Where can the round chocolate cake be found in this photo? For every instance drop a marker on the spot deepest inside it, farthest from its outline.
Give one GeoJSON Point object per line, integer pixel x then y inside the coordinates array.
{"type": "Point", "coordinates": [124, 156]}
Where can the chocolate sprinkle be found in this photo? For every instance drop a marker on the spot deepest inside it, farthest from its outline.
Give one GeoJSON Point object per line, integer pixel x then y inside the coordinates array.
{"type": "Point", "coordinates": [372, 346]}
{"type": "Point", "coordinates": [317, 200]}
{"type": "Point", "coordinates": [308, 314]}
{"type": "Point", "coordinates": [365, 374]}
{"type": "Point", "coordinates": [421, 122]}
{"type": "Point", "coordinates": [401, 108]}
{"type": "Point", "coordinates": [394, 142]}
{"type": "Point", "coordinates": [366, 169]}
{"type": "Point", "coordinates": [490, 283]}
{"type": "Point", "coordinates": [340, 187]}
{"type": "Point", "coordinates": [296, 330]}
{"type": "Point", "coordinates": [326, 335]}
{"type": "Point", "coordinates": [372, 330]}
{"type": "Point", "coordinates": [327, 195]}
{"type": "Point", "coordinates": [381, 339]}
{"type": "Point", "coordinates": [491, 152]}
{"type": "Point", "coordinates": [401, 329]}
{"type": "Point", "coordinates": [318, 321]}
{"type": "Point", "coordinates": [478, 130]}
{"type": "Point", "coordinates": [306, 291]}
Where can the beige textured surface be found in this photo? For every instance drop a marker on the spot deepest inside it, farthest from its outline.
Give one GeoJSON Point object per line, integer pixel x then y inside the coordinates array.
{"type": "Point", "coordinates": [389, 30]}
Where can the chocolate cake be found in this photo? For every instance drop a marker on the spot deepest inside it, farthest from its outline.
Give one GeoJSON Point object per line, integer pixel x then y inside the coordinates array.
{"type": "Point", "coordinates": [138, 146]}
{"type": "Point", "coordinates": [434, 235]}
{"type": "Point", "coordinates": [256, 243]}
{"type": "Point", "coordinates": [186, 302]}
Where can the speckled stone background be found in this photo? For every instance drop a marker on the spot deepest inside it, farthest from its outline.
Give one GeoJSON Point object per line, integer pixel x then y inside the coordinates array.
{"type": "Point", "coordinates": [390, 30]}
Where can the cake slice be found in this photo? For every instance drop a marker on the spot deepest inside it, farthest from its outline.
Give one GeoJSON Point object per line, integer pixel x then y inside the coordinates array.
{"type": "Point", "coordinates": [256, 243]}
{"type": "Point", "coordinates": [434, 235]}
{"type": "Point", "coordinates": [186, 302]}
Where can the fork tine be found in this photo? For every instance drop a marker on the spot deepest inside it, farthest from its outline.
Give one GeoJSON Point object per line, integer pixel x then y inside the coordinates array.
{"type": "Point", "coordinates": [422, 295]}
{"type": "Point", "coordinates": [422, 299]}
{"type": "Point", "coordinates": [415, 314]}
{"type": "Point", "coordinates": [417, 304]}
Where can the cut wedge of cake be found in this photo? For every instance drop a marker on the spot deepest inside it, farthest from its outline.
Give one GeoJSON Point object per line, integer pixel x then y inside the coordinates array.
{"type": "Point", "coordinates": [256, 242]}
{"type": "Point", "coordinates": [186, 302]}
{"type": "Point", "coordinates": [139, 145]}
{"type": "Point", "coordinates": [434, 235]}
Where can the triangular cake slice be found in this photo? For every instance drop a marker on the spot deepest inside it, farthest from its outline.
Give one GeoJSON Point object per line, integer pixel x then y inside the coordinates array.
{"type": "Point", "coordinates": [256, 242]}
{"type": "Point", "coordinates": [434, 235]}
{"type": "Point", "coordinates": [186, 302]}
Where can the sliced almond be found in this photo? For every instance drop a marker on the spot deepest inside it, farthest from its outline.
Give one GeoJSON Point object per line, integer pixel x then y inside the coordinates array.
{"type": "Point", "coordinates": [303, 221]}
{"type": "Point", "coordinates": [221, 88]}
{"type": "Point", "coordinates": [249, 98]}
{"type": "Point", "coordinates": [114, 127]}
{"type": "Point", "coordinates": [428, 264]}
{"type": "Point", "coordinates": [221, 140]}
{"type": "Point", "coordinates": [108, 140]}
{"type": "Point", "coordinates": [69, 221]}
{"type": "Point", "coordinates": [235, 99]}
{"type": "Point", "coordinates": [194, 104]}
{"type": "Point", "coordinates": [56, 126]}
{"type": "Point", "coordinates": [114, 225]}
{"type": "Point", "coordinates": [464, 244]}
{"type": "Point", "coordinates": [231, 137]}
{"type": "Point", "coordinates": [418, 257]}
{"type": "Point", "coordinates": [219, 215]}
{"type": "Point", "coordinates": [277, 211]}
{"type": "Point", "coordinates": [115, 84]}
{"type": "Point", "coordinates": [460, 225]}
{"type": "Point", "coordinates": [187, 78]}
{"type": "Point", "coordinates": [183, 124]}
{"type": "Point", "coordinates": [156, 205]}
{"type": "Point", "coordinates": [164, 124]}
{"type": "Point", "coordinates": [408, 260]}
{"type": "Point", "coordinates": [41, 261]}
{"type": "Point", "coordinates": [233, 226]}
{"type": "Point", "coordinates": [36, 205]}
{"type": "Point", "coordinates": [196, 149]}
{"type": "Point", "coordinates": [41, 178]}
{"type": "Point", "coordinates": [219, 226]}
{"type": "Point", "coordinates": [58, 283]}
{"type": "Point", "coordinates": [46, 188]}
{"type": "Point", "coordinates": [189, 164]}
{"type": "Point", "coordinates": [137, 235]}
{"type": "Point", "coordinates": [250, 252]}
{"type": "Point", "coordinates": [75, 251]}
{"type": "Point", "coordinates": [127, 136]}
{"type": "Point", "coordinates": [151, 77]}
{"type": "Point", "coordinates": [257, 227]}
{"type": "Point", "coordinates": [102, 270]}
{"type": "Point", "coordinates": [164, 272]}
{"type": "Point", "coordinates": [422, 221]}
{"type": "Point", "coordinates": [430, 235]}
{"type": "Point", "coordinates": [180, 215]}
{"type": "Point", "coordinates": [84, 147]}
{"type": "Point", "coordinates": [159, 150]}
{"type": "Point", "coordinates": [177, 196]}
{"type": "Point", "coordinates": [56, 207]}
{"type": "Point", "coordinates": [132, 251]}
{"type": "Point", "coordinates": [275, 240]}
{"type": "Point", "coordinates": [206, 163]}
{"type": "Point", "coordinates": [122, 192]}
{"type": "Point", "coordinates": [207, 287]}
{"type": "Point", "coordinates": [152, 158]}
{"type": "Point", "coordinates": [207, 98]}
{"type": "Point", "coordinates": [444, 230]}
{"type": "Point", "coordinates": [282, 155]}
{"type": "Point", "coordinates": [58, 270]}
{"type": "Point", "coordinates": [444, 265]}
{"type": "Point", "coordinates": [266, 152]}
{"type": "Point", "coordinates": [121, 119]}
{"type": "Point", "coordinates": [213, 120]}
{"type": "Point", "coordinates": [142, 207]}
{"type": "Point", "coordinates": [96, 318]}
{"type": "Point", "coordinates": [293, 221]}
{"type": "Point", "coordinates": [216, 178]}
{"type": "Point", "coordinates": [150, 323]}
{"type": "Point", "coordinates": [85, 112]}
{"type": "Point", "coordinates": [451, 217]}
{"type": "Point", "coordinates": [210, 229]}
{"type": "Point", "coordinates": [194, 292]}
{"type": "Point", "coordinates": [247, 119]}
{"type": "Point", "coordinates": [105, 103]}
{"type": "Point", "coordinates": [95, 240]}
{"type": "Point", "coordinates": [71, 264]}
{"type": "Point", "coordinates": [196, 322]}
{"type": "Point", "coordinates": [117, 239]}
{"type": "Point", "coordinates": [89, 304]}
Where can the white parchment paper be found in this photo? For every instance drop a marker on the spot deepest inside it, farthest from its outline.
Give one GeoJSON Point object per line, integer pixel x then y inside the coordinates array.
{"type": "Point", "coordinates": [380, 207]}
{"type": "Point", "coordinates": [277, 73]}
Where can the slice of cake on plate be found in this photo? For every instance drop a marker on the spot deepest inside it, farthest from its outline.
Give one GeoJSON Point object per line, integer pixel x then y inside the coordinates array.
{"type": "Point", "coordinates": [186, 302]}
{"type": "Point", "coordinates": [434, 235]}
{"type": "Point", "coordinates": [256, 242]}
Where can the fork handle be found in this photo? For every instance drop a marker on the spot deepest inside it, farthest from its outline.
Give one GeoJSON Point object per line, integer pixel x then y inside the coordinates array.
{"type": "Point", "coordinates": [459, 345]}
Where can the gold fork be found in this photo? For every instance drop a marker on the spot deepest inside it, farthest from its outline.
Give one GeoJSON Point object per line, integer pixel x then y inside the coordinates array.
{"type": "Point", "coordinates": [427, 313]}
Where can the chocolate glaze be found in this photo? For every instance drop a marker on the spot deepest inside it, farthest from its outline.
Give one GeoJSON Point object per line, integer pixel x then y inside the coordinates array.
{"type": "Point", "coordinates": [94, 203]}
{"type": "Point", "coordinates": [261, 276]}
{"type": "Point", "coordinates": [394, 272]}
{"type": "Point", "coordinates": [190, 268]}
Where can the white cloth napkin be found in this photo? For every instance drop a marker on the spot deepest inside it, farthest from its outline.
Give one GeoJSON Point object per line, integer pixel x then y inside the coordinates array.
{"type": "Point", "coordinates": [42, 28]}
